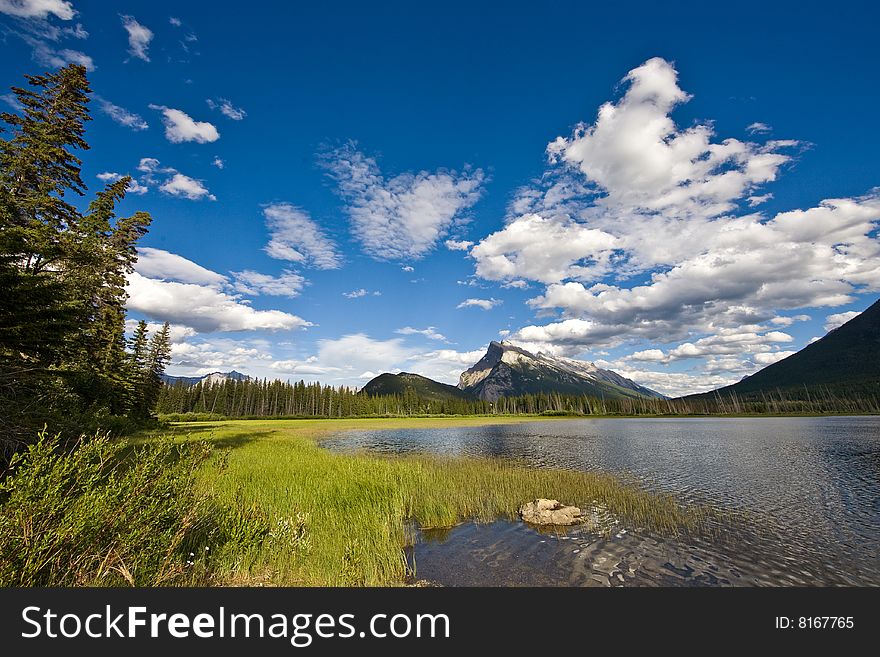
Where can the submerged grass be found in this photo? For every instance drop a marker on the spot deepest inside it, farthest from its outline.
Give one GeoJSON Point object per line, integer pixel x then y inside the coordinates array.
{"type": "Point", "coordinates": [344, 519]}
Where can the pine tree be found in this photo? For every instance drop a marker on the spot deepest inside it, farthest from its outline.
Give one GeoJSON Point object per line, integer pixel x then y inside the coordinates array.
{"type": "Point", "coordinates": [62, 272]}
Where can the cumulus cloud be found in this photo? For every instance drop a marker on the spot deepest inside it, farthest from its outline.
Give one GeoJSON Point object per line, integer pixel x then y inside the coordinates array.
{"type": "Point", "coordinates": [217, 162]}
{"type": "Point", "coordinates": [404, 216]}
{"type": "Point", "coordinates": [121, 115]}
{"type": "Point", "coordinates": [725, 343]}
{"type": "Point", "coordinates": [185, 187]}
{"type": "Point", "coordinates": [139, 37]}
{"type": "Point", "coordinates": [839, 319]}
{"type": "Point", "coordinates": [353, 354]}
{"type": "Point", "coordinates": [542, 249]}
{"type": "Point", "coordinates": [458, 245]}
{"type": "Point", "coordinates": [295, 237]}
{"type": "Point", "coordinates": [288, 284]}
{"type": "Point", "coordinates": [180, 127]}
{"type": "Point", "coordinates": [167, 266]}
{"type": "Point", "coordinates": [227, 109]}
{"type": "Point", "coordinates": [202, 307]}
{"type": "Point", "coordinates": [642, 230]}
{"type": "Point", "coordinates": [485, 304]}
{"type": "Point", "coordinates": [39, 9]}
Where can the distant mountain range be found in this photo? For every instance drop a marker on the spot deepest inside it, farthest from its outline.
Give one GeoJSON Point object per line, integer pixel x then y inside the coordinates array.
{"type": "Point", "coordinates": [508, 371]}
{"type": "Point", "coordinates": [213, 377]}
{"type": "Point", "coordinates": [846, 361]}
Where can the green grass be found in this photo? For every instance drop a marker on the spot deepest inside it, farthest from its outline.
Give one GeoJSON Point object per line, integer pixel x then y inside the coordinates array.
{"type": "Point", "coordinates": [344, 519]}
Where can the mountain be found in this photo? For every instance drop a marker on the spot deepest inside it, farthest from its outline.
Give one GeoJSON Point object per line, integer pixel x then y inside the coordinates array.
{"type": "Point", "coordinates": [397, 384]}
{"type": "Point", "coordinates": [213, 377]}
{"type": "Point", "coordinates": [507, 370]}
{"type": "Point", "coordinates": [847, 360]}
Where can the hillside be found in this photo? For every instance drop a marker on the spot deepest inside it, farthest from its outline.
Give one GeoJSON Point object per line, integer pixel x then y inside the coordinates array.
{"type": "Point", "coordinates": [844, 362]}
{"type": "Point", "coordinates": [507, 370]}
{"type": "Point", "coordinates": [423, 387]}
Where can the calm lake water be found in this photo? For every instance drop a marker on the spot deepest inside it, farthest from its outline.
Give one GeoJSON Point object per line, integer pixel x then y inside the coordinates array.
{"type": "Point", "coordinates": [810, 487]}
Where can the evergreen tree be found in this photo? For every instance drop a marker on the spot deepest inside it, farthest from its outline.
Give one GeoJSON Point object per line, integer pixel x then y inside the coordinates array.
{"type": "Point", "coordinates": [62, 272]}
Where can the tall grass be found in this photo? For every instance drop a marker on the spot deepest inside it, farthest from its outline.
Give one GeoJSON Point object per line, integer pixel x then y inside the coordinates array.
{"type": "Point", "coordinates": [354, 513]}
{"type": "Point", "coordinates": [99, 513]}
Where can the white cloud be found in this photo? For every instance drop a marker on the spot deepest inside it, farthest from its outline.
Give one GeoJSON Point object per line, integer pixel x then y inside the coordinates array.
{"type": "Point", "coordinates": [640, 160]}
{"type": "Point", "coordinates": [40, 9]}
{"type": "Point", "coordinates": [217, 162]}
{"type": "Point", "coordinates": [288, 284]}
{"type": "Point", "coordinates": [839, 319]}
{"type": "Point", "coordinates": [542, 249]}
{"type": "Point", "coordinates": [174, 21]}
{"type": "Point", "coordinates": [353, 354]}
{"type": "Point", "coordinates": [210, 355]}
{"type": "Point", "coordinates": [430, 333]}
{"type": "Point", "coordinates": [133, 187]}
{"type": "Point", "coordinates": [642, 230]}
{"type": "Point", "coordinates": [185, 187]}
{"type": "Point", "coordinates": [46, 55]}
{"type": "Point", "coordinates": [355, 294]}
{"type": "Point", "coordinates": [148, 164]}
{"type": "Point", "coordinates": [407, 269]}
{"type": "Point", "coordinates": [404, 216]}
{"type": "Point", "coordinates": [485, 304]}
{"type": "Point", "coordinates": [456, 245]}
{"type": "Point", "coordinates": [675, 384]}
{"type": "Point", "coordinates": [726, 342]}
{"type": "Point", "coordinates": [167, 266]}
{"type": "Point", "coordinates": [758, 128]}
{"type": "Point", "coordinates": [139, 37]}
{"type": "Point", "coordinates": [180, 127]}
{"type": "Point", "coordinates": [201, 307]}
{"type": "Point", "coordinates": [295, 237]}
{"type": "Point", "coordinates": [227, 109]}
{"type": "Point", "coordinates": [443, 365]}
{"type": "Point", "coordinates": [772, 357]}
{"type": "Point", "coordinates": [755, 201]}
{"type": "Point", "coordinates": [176, 332]}
{"type": "Point", "coordinates": [121, 115]}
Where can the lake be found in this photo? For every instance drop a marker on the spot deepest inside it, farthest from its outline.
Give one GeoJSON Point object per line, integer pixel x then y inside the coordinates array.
{"type": "Point", "coordinates": [809, 487]}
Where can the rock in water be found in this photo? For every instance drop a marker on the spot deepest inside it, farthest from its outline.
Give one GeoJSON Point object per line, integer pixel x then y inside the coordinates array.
{"type": "Point", "coordinates": [550, 512]}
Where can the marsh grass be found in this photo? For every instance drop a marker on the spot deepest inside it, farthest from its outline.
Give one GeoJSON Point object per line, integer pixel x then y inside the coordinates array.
{"type": "Point", "coordinates": [344, 519]}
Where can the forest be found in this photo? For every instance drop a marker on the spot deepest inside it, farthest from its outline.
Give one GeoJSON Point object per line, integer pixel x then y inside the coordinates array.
{"type": "Point", "coordinates": [266, 399]}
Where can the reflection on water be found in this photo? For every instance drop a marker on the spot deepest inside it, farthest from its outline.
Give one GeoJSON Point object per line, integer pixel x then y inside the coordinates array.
{"type": "Point", "coordinates": [811, 487]}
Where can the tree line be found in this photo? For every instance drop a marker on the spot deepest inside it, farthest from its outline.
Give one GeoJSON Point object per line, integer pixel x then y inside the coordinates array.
{"type": "Point", "coordinates": [264, 398]}
{"type": "Point", "coordinates": [64, 358]}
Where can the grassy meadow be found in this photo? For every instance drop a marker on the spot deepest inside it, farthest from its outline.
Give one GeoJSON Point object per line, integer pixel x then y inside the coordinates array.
{"type": "Point", "coordinates": [344, 519]}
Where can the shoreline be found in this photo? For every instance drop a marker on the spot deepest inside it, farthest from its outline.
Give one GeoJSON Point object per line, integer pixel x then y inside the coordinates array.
{"type": "Point", "coordinates": [353, 514]}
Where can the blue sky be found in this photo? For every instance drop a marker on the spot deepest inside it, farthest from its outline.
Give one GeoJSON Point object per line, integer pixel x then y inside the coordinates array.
{"type": "Point", "coordinates": [342, 190]}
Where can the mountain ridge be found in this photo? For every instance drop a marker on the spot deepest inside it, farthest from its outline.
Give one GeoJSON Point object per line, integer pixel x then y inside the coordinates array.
{"type": "Point", "coordinates": [507, 370]}
{"type": "Point", "coordinates": [397, 384]}
{"type": "Point", "coordinates": [845, 360]}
